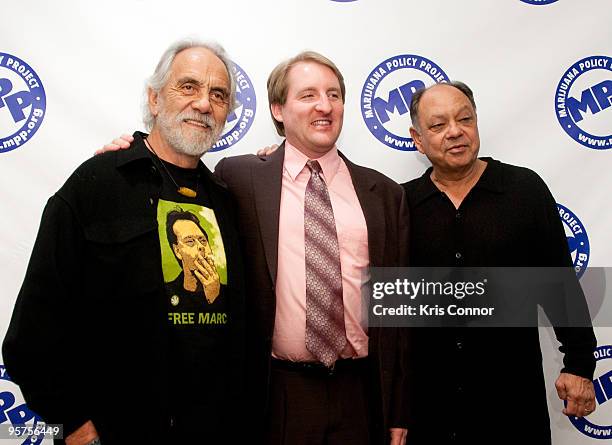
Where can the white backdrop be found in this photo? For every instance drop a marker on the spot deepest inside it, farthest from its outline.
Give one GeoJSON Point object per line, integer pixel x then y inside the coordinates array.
{"type": "Point", "coordinates": [93, 57]}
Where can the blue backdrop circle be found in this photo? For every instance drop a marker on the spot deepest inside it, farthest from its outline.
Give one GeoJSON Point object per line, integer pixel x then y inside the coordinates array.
{"type": "Point", "coordinates": [239, 121]}
{"type": "Point", "coordinates": [373, 81]}
{"type": "Point", "coordinates": [539, 2]}
{"type": "Point", "coordinates": [15, 102]}
{"type": "Point", "coordinates": [567, 122]}
{"type": "Point", "coordinates": [582, 424]}
{"type": "Point", "coordinates": [578, 243]}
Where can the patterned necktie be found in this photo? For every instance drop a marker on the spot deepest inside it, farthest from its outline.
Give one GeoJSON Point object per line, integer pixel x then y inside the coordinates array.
{"type": "Point", "coordinates": [325, 333]}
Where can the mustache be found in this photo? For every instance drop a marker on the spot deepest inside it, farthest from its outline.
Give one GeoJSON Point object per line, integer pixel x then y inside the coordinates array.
{"type": "Point", "coordinates": [205, 119]}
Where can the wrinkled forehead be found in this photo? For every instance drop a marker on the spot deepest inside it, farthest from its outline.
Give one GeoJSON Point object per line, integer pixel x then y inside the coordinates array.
{"type": "Point", "coordinates": [200, 65]}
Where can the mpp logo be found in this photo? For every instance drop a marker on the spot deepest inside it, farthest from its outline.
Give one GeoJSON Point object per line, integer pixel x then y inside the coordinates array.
{"type": "Point", "coordinates": [12, 412]}
{"type": "Point", "coordinates": [582, 101]}
{"type": "Point", "coordinates": [22, 102]}
{"type": "Point", "coordinates": [539, 2]}
{"type": "Point", "coordinates": [240, 120]}
{"type": "Point", "coordinates": [386, 95]}
{"type": "Point", "coordinates": [577, 239]}
{"type": "Point", "coordinates": [597, 425]}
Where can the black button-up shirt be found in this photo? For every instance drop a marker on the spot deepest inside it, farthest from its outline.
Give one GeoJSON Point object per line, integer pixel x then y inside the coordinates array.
{"type": "Point", "coordinates": [487, 383]}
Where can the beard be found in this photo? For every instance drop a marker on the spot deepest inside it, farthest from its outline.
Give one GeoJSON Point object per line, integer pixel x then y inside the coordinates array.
{"type": "Point", "coordinates": [189, 141]}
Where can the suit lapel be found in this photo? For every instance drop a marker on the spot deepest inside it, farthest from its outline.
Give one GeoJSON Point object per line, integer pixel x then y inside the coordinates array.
{"type": "Point", "coordinates": [267, 181]}
{"type": "Point", "coordinates": [373, 210]}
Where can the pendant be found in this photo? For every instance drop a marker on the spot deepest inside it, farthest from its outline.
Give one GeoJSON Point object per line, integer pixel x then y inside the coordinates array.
{"type": "Point", "coordinates": [185, 191]}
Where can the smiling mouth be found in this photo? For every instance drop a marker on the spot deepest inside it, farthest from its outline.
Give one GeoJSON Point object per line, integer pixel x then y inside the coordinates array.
{"type": "Point", "coordinates": [196, 123]}
{"type": "Point", "coordinates": [322, 123]}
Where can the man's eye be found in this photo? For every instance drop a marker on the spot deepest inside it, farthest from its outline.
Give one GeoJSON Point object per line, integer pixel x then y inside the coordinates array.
{"type": "Point", "coordinates": [219, 97]}
{"type": "Point", "coordinates": [188, 89]}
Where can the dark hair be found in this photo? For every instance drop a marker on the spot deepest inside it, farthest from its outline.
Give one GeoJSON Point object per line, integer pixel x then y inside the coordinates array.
{"type": "Point", "coordinates": [178, 215]}
{"type": "Point", "coordinates": [416, 98]}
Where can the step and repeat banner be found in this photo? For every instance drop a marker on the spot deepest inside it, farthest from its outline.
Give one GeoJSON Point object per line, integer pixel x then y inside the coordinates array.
{"type": "Point", "coordinates": [72, 78]}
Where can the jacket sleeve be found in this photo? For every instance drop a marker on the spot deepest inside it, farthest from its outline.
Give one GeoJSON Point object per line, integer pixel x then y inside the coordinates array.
{"type": "Point", "coordinates": [404, 231]}
{"type": "Point", "coordinates": [219, 169]}
{"type": "Point", "coordinates": [41, 349]}
{"type": "Point", "coordinates": [402, 394]}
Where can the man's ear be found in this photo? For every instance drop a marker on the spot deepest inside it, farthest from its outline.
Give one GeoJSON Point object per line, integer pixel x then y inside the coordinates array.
{"type": "Point", "coordinates": [153, 101]}
{"type": "Point", "coordinates": [416, 137]}
{"type": "Point", "coordinates": [277, 111]}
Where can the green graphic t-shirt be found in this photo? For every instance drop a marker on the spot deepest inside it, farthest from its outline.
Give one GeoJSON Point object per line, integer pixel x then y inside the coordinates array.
{"type": "Point", "coordinates": [195, 275]}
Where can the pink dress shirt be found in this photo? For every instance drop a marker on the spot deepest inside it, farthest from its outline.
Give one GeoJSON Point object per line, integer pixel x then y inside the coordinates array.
{"type": "Point", "coordinates": [288, 342]}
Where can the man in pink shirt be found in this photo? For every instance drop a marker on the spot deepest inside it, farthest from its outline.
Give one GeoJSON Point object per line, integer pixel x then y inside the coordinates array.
{"type": "Point", "coordinates": [357, 395]}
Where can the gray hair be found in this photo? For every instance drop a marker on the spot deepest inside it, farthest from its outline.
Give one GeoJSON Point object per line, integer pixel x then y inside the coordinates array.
{"type": "Point", "coordinates": [416, 98]}
{"type": "Point", "coordinates": [162, 73]}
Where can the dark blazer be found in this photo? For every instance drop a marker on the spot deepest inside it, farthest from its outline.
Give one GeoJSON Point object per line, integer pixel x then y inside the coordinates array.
{"type": "Point", "coordinates": [256, 183]}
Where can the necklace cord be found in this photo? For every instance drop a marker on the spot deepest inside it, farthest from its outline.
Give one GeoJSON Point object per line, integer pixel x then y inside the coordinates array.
{"type": "Point", "coordinates": [185, 191]}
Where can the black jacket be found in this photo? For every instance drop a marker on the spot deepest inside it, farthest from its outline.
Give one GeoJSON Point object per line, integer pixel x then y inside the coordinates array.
{"type": "Point", "coordinates": [89, 334]}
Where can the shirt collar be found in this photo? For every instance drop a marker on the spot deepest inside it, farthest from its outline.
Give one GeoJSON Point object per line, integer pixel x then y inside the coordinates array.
{"type": "Point", "coordinates": [138, 151]}
{"type": "Point", "coordinates": [492, 179]}
{"type": "Point", "coordinates": [295, 162]}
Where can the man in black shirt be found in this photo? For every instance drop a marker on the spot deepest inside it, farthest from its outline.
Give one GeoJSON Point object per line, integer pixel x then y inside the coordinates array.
{"type": "Point", "coordinates": [484, 385]}
{"type": "Point", "coordinates": [98, 341]}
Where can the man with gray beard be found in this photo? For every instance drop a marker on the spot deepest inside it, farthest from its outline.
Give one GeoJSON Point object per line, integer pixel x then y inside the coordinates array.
{"type": "Point", "coordinates": [99, 341]}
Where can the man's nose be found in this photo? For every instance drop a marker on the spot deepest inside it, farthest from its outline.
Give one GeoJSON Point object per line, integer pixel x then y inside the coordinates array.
{"type": "Point", "coordinates": [323, 104]}
{"type": "Point", "coordinates": [202, 103]}
{"type": "Point", "coordinates": [454, 130]}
